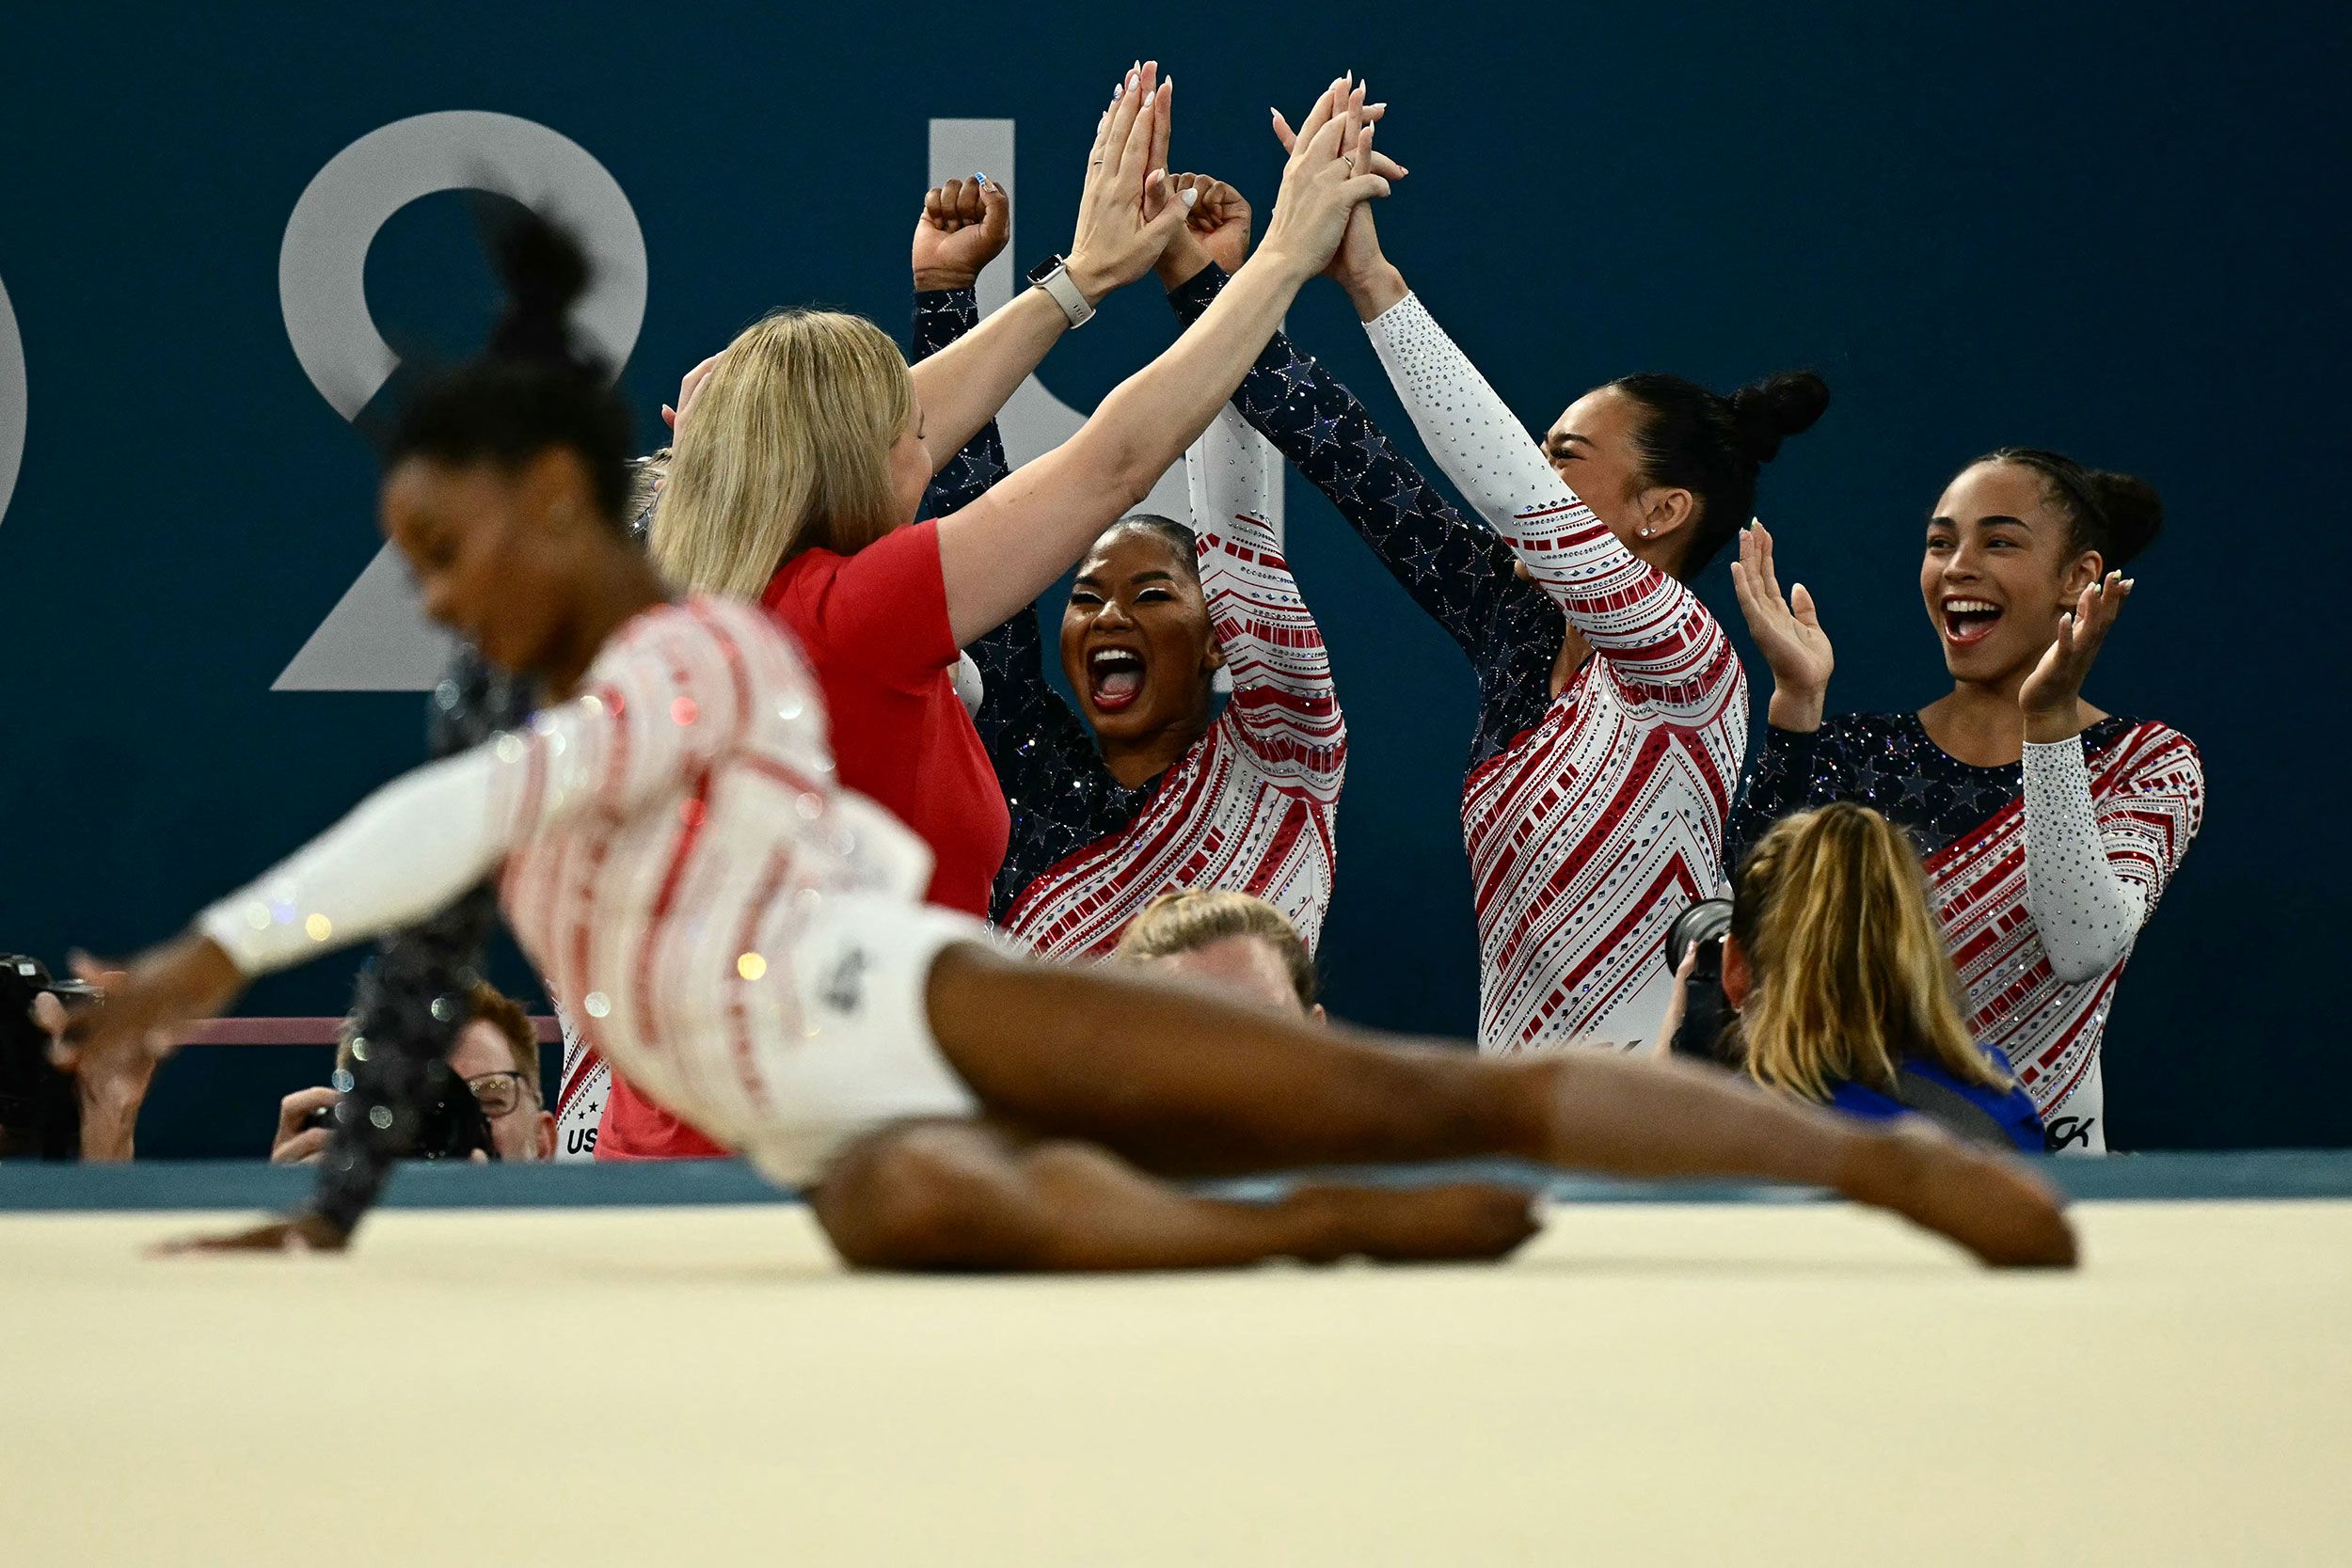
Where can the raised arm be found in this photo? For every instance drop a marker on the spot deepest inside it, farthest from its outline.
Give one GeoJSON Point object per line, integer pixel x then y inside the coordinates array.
{"type": "Point", "coordinates": [1283, 701]}
{"type": "Point", "coordinates": [1653, 631]}
{"type": "Point", "coordinates": [1002, 551]}
{"type": "Point", "coordinates": [1458, 573]}
{"type": "Point", "coordinates": [965, 227]}
{"type": "Point", "coordinates": [2094, 873]}
{"type": "Point", "coordinates": [963, 387]}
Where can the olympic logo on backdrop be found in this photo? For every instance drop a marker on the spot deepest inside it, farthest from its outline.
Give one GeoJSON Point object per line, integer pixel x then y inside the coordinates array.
{"type": "Point", "coordinates": [377, 638]}
{"type": "Point", "coordinates": [12, 400]}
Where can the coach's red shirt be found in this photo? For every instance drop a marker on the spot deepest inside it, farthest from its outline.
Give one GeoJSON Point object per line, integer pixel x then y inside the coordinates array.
{"type": "Point", "coordinates": [874, 627]}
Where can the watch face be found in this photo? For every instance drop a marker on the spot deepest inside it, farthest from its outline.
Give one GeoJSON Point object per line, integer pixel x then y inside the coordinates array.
{"type": "Point", "coordinates": [1045, 269]}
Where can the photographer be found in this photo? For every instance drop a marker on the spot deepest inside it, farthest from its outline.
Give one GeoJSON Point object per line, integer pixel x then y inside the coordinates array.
{"type": "Point", "coordinates": [1836, 984]}
{"type": "Point", "coordinates": [53, 1115]}
{"type": "Point", "coordinates": [496, 1056]}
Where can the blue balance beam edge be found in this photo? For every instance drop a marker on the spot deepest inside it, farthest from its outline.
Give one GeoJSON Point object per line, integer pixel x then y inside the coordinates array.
{"type": "Point", "coordinates": [25, 1187]}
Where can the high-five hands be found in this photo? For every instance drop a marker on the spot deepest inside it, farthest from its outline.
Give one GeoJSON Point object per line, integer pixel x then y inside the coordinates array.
{"type": "Point", "coordinates": [1787, 633]}
{"type": "Point", "coordinates": [1128, 209]}
{"type": "Point", "coordinates": [964, 227]}
{"type": "Point", "coordinates": [2052, 695]}
{"type": "Point", "coordinates": [1219, 222]}
{"type": "Point", "coordinates": [1358, 258]}
{"type": "Point", "coordinates": [1330, 175]}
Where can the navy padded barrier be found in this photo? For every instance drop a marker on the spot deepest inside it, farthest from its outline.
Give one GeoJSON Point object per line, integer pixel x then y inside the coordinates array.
{"type": "Point", "coordinates": [2269, 1175]}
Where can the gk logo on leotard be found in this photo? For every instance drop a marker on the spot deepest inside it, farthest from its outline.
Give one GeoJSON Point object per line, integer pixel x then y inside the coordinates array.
{"type": "Point", "coordinates": [377, 638]}
{"type": "Point", "coordinates": [2064, 1132]}
{"type": "Point", "coordinates": [845, 985]}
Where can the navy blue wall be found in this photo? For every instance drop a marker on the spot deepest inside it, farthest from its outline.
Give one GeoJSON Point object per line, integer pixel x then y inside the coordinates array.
{"type": "Point", "coordinates": [2115, 231]}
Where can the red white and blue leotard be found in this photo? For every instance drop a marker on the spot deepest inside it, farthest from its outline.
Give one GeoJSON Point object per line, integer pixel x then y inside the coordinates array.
{"type": "Point", "coordinates": [1250, 806]}
{"type": "Point", "coordinates": [1591, 818]}
{"type": "Point", "coordinates": [2042, 873]}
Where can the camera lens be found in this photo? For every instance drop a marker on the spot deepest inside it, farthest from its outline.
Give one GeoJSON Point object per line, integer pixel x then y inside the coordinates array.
{"type": "Point", "coordinates": [1703, 922]}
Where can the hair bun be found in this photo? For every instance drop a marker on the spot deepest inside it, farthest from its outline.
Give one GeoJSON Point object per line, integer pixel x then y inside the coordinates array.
{"type": "Point", "coordinates": [1768, 412]}
{"type": "Point", "coordinates": [2135, 512]}
{"type": "Point", "coordinates": [545, 272]}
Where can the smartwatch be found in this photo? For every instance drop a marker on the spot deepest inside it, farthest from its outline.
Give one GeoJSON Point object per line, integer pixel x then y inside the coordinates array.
{"type": "Point", "coordinates": [1053, 275]}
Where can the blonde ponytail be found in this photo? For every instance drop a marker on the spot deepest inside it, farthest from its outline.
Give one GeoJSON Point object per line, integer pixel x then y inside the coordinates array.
{"type": "Point", "coordinates": [1850, 975]}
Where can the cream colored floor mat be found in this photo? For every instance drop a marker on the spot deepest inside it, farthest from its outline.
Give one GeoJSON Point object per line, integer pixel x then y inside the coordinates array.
{"type": "Point", "coordinates": [1742, 1384]}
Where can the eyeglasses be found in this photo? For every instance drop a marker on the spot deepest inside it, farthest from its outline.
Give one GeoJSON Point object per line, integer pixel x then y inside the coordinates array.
{"type": "Point", "coordinates": [499, 1093]}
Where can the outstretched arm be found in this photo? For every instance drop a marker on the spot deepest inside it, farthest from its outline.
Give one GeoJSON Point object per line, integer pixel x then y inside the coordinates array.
{"type": "Point", "coordinates": [1283, 699]}
{"type": "Point", "coordinates": [1004, 549]}
{"type": "Point", "coordinates": [663, 712]}
{"type": "Point", "coordinates": [1652, 630]}
{"type": "Point", "coordinates": [962, 387]}
{"type": "Point", "coordinates": [1458, 573]}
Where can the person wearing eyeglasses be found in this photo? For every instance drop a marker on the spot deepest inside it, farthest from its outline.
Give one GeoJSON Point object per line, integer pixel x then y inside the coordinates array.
{"type": "Point", "coordinates": [497, 1053]}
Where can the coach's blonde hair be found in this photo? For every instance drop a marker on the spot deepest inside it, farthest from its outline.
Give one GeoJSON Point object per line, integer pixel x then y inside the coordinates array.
{"type": "Point", "coordinates": [788, 450]}
{"type": "Point", "coordinates": [1850, 975]}
{"type": "Point", "coordinates": [1192, 918]}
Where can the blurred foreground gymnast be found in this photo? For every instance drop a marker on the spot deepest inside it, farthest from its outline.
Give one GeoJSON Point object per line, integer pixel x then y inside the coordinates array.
{"type": "Point", "coordinates": [677, 860]}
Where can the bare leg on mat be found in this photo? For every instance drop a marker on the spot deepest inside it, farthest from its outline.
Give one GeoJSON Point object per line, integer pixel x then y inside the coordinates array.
{"type": "Point", "coordinates": [972, 1195]}
{"type": "Point", "coordinates": [1180, 1083]}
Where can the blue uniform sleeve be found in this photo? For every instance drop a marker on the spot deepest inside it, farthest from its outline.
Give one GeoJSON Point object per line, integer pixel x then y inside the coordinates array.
{"type": "Point", "coordinates": [1459, 573]}
{"type": "Point", "coordinates": [942, 316]}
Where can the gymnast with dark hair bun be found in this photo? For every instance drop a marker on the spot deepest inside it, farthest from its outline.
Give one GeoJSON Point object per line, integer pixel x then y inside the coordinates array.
{"type": "Point", "coordinates": [2048, 826]}
{"type": "Point", "coordinates": [1612, 712]}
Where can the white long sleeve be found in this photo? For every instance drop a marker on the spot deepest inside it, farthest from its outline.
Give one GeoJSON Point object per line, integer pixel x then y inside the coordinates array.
{"type": "Point", "coordinates": [667, 696]}
{"type": "Point", "coordinates": [2085, 911]}
{"type": "Point", "coordinates": [1671, 654]}
{"type": "Point", "coordinates": [406, 851]}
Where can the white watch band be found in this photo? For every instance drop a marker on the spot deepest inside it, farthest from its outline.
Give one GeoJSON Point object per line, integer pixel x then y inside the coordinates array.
{"type": "Point", "coordinates": [1065, 294]}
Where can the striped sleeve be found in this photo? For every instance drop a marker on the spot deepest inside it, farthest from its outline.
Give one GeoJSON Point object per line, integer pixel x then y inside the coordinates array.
{"type": "Point", "coordinates": [1284, 703]}
{"type": "Point", "coordinates": [1667, 652]}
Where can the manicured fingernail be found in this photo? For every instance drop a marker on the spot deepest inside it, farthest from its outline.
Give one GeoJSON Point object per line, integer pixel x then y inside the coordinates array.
{"type": "Point", "coordinates": [982, 176]}
{"type": "Point", "coordinates": [1190, 197]}
{"type": "Point", "coordinates": [1117, 91]}
{"type": "Point", "coordinates": [1150, 96]}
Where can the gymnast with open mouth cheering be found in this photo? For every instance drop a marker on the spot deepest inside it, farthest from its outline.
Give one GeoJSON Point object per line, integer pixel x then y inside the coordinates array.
{"type": "Point", "coordinates": [2048, 826]}
{"type": "Point", "coordinates": [1141, 788]}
